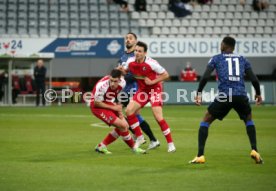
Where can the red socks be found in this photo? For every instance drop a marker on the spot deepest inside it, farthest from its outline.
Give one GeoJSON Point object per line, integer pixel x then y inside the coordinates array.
{"type": "Point", "coordinates": [127, 138]}
{"type": "Point", "coordinates": [166, 130]}
{"type": "Point", "coordinates": [114, 134]}
{"type": "Point", "coordinates": [134, 125]}
{"type": "Point", "coordinates": [110, 138]}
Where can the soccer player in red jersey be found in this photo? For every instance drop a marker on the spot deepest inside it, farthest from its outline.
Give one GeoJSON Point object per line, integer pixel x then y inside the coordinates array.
{"type": "Point", "coordinates": [103, 107]}
{"type": "Point", "coordinates": [149, 75]}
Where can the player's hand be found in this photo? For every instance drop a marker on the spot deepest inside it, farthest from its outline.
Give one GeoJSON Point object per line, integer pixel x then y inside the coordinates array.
{"type": "Point", "coordinates": [148, 81]}
{"type": "Point", "coordinates": [118, 108]}
{"type": "Point", "coordinates": [198, 99]}
{"type": "Point", "coordinates": [258, 99]}
{"type": "Point", "coordinates": [121, 68]}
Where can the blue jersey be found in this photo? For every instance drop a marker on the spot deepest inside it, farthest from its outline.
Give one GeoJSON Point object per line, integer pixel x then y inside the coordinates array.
{"type": "Point", "coordinates": [130, 81]}
{"type": "Point", "coordinates": [230, 69]}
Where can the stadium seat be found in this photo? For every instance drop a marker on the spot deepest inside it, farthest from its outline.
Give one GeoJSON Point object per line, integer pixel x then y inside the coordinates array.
{"type": "Point", "coordinates": [204, 15]}
{"type": "Point", "coordinates": [150, 23]}
{"type": "Point", "coordinates": [259, 30]}
{"type": "Point", "coordinates": [244, 22]}
{"type": "Point", "coordinates": [212, 15]}
{"type": "Point", "coordinates": [161, 15]}
{"type": "Point", "coordinates": [251, 30]}
{"type": "Point", "coordinates": [176, 23]}
{"type": "Point", "coordinates": [185, 22]}
{"type": "Point", "coordinates": [239, 8]}
{"type": "Point", "coordinates": [194, 23]}
{"type": "Point", "coordinates": [202, 23]}
{"type": "Point", "coordinates": [164, 7]}
{"type": "Point", "coordinates": [159, 23]}
{"type": "Point", "coordinates": [242, 30]}
{"type": "Point", "coordinates": [217, 30]}
{"type": "Point", "coordinates": [222, 8]}
{"type": "Point", "coordinates": [210, 22]}
{"type": "Point", "coordinates": [252, 22]}
{"type": "Point", "coordinates": [124, 23]}
{"type": "Point", "coordinates": [165, 30]}
{"type": "Point", "coordinates": [261, 22]}
{"type": "Point", "coordinates": [205, 8]}
{"type": "Point", "coordinates": [144, 15]}
{"type": "Point", "coordinates": [135, 15]}
{"type": "Point", "coordinates": [234, 30]}
{"type": "Point", "coordinates": [182, 30]}
{"type": "Point", "coordinates": [200, 30]}
{"type": "Point", "coordinates": [155, 8]}
{"type": "Point", "coordinates": [237, 15]}
{"type": "Point", "coordinates": [156, 30]}
{"type": "Point", "coordinates": [262, 15]}
{"type": "Point", "coordinates": [236, 23]}
{"type": "Point", "coordinates": [191, 30]}
{"type": "Point", "coordinates": [170, 15]}
{"type": "Point", "coordinates": [246, 15]}
{"type": "Point", "coordinates": [174, 30]}
{"type": "Point", "coordinates": [168, 22]}
{"type": "Point", "coordinates": [268, 30]}
{"type": "Point", "coordinates": [18, 14]}
{"type": "Point", "coordinates": [152, 15]}
{"type": "Point", "coordinates": [209, 30]}
{"type": "Point", "coordinates": [214, 8]}
{"type": "Point", "coordinates": [142, 22]}
{"type": "Point", "coordinates": [270, 22]}
{"type": "Point", "coordinates": [197, 8]}
{"type": "Point", "coordinates": [227, 22]}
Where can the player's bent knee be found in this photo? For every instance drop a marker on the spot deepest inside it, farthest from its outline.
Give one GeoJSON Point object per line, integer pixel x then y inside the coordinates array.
{"type": "Point", "coordinates": [125, 126]}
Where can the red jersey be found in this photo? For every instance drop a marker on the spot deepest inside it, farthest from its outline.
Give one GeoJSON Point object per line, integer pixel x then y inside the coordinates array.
{"type": "Point", "coordinates": [103, 93]}
{"type": "Point", "coordinates": [149, 68]}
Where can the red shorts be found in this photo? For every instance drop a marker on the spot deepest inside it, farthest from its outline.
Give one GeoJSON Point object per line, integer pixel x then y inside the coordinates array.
{"type": "Point", "coordinates": [106, 115]}
{"type": "Point", "coordinates": [154, 96]}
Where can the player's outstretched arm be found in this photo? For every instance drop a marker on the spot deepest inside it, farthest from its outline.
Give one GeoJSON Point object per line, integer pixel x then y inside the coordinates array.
{"type": "Point", "coordinates": [202, 83]}
{"type": "Point", "coordinates": [255, 82]}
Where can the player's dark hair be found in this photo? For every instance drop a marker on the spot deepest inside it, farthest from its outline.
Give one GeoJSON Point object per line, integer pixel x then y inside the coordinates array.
{"type": "Point", "coordinates": [229, 41]}
{"type": "Point", "coordinates": [115, 73]}
{"type": "Point", "coordinates": [142, 44]}
{"type": "Point", "coordinates": [133, 34]}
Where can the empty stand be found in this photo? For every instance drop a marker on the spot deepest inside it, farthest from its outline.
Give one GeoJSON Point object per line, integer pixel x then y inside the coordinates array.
{"type": "Point", "coordinates": [99, 18]}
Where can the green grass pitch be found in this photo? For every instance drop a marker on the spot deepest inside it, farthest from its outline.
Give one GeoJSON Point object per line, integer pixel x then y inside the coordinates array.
{"type": "Point", "coordinates": [52, 149]}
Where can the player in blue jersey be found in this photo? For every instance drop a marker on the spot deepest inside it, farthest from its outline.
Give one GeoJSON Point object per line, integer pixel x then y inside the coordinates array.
{"type": "Point", "coordinates": [131, 87]}
{"type": "Point", "coordinates": [230, 69]}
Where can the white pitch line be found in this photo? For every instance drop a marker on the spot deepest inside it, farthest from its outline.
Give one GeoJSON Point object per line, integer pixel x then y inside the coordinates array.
{"type": "Point", "coordinates": [43, 115]}
{"type": "Point", "coordinates": [102, 125]}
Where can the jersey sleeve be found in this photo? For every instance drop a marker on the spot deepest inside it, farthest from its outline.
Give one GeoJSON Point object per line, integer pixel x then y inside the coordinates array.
{"type": "Point", "coordinates": [126, 64]}
{"type": "Point", "coordinates": [247, 64]}
{"type": "Point", "coordinates": [99, 93]}
{"type": "Point", "coordinates": [212, 62]}
{"type": "Point", "coordinates": [122, 83]}
{"type": "Point", "coordinates": [156, 66]}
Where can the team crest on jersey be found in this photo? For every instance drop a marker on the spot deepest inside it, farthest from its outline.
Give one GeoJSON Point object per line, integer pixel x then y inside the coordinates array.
{"type": "Point", "coordinates": [110, 118]}
{"type": "Point", "coordinates": [144, 68]}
